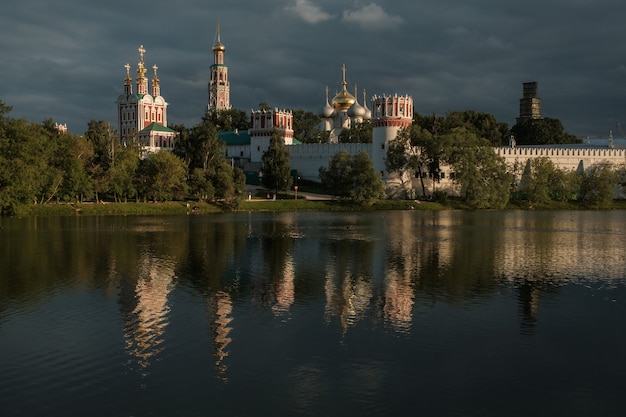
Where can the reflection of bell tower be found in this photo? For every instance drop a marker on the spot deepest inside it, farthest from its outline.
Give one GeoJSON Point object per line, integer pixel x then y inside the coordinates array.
{"type": "Point", "coordinates": [219, 86]}
{"type": "Point", "coordinates": [220, 310]}
{"type": "Point", "coordinates": [528, 298]}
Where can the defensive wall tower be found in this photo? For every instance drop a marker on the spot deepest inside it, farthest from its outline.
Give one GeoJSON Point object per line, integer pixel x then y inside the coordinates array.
{"type": "Point", "coordinates": [389, 115]}
{"type": "Point", "coordinates": [262, 124]}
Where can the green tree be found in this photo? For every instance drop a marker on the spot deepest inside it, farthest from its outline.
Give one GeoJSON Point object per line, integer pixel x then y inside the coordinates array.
{"type": "Point", "coordinates": [543, 182]}
{"type": "Point", "coordinates": [357, 133]}
{"type": "Point", "coordinates": [121, 174]}
{"type": "Point", "coordinates": [415, 151]}
{"type": "Point", "coordinates": [368, 185]}
{"type": "Point", "coordinates": [228, 119]}
{"type": "Point", "coordinates": [275, 169]}
{"type": "Point", "coordinates": [353, 178]}
{"type": "Point", "coordinates": [596, 185]}
{"type": "Point", "coordinates": [337, 177]}
{"type": "Point", "coordinates": [481, 174]}
{"type": "Point", "coordinates": [229, 183]}
{"type": "Point", "coordinates": [544, 131]}
{"type": "Point", "coordinates": [104, 142]}
{"type": "Point", "coordinates": [200, 185]}
{"type": "Point", "coordinates": [161, 176]}
{"type": "Point", "coordinates": [306, 127]}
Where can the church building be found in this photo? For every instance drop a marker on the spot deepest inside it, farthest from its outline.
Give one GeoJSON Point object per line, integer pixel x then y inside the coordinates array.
{"type": "Point", "coordinates": [142, 116]}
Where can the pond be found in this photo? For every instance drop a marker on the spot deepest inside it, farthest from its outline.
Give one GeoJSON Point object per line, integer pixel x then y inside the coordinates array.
{"type": "Point", "coordinates": [451, 313]}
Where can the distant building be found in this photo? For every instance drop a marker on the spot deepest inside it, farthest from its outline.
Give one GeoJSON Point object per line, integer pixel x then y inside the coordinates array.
{"type": "Point", "coordinates": [529, 104]}
{"type": "Point", "coordinates": [219, 86]}
{"type": "Point", "coordinates": [143, 116]}
{"type": "Point", "coordinates": [62, 128]}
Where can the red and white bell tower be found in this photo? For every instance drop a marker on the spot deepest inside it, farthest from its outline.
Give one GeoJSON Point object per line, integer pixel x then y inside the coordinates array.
{"type": "Point", "coordinates": [219, 86]}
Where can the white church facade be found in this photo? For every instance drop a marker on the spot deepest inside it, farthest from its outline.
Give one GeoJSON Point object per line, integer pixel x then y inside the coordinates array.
{"type": "Point", "coordinates": [142, 115]}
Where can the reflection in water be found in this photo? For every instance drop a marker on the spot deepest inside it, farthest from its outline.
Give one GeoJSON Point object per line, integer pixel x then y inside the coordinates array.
{"type": "Point", "coordinates": [528, 297]}
{"type": "Point", "coordinates": [147, 321]}
{"type": "Point", "coordinates": [284, 288]}
{"type": "Point", "coordinates": [347, 297]}
{"type": "Point", "coordinates": [220, 315]}
{"type": "Point", "coordinates": [464, 290]}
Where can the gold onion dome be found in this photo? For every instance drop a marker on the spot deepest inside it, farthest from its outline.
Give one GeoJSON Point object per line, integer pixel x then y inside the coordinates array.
{"type": "Point", "coordinates": [219, 47]}
{"type": "Point", "coordinates": [344, 100]}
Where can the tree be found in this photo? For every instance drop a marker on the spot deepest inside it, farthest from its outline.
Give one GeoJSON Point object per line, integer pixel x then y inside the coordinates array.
{"type": "Point", "coordinates": [481, 174]}
{"type": "Point", "coordinates": [306, 126]}
{"type": "Point", "coordinates": [201, 147]}
{"type": "Point", "coordinates": [542, 182]}
{"type": "Point", "coordinates": [357, 133]}
{"type": "Point", "coordinates": [368, 185]}
{"type": "Point", "coordinates": [275, 170]}
{"type": "Point", "coordinates": [228, 119]}
{"type": "Point", "coordinates": [544, 131]}
{"type": "Point", "coordinates": [337, 177]}
{"type": "Point", "coordinates": [121, 175]}
{"type": "Point", "coordinates": [413, 151]}
{"type": "Point", "coordinates": [596, 185]}
{"type": "Point", "coordinates": [353, 178]}
{"type": "Point", "coordinates": [161, 177]}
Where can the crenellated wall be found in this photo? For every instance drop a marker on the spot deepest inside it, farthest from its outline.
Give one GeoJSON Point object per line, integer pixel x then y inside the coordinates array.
{"type": "Point", "coordinates": [307, 159]}
{"type": "Point", "coordinates": [563, 158]}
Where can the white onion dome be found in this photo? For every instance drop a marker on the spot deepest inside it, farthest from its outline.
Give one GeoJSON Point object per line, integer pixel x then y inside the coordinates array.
{"type": "Point", "coordinates": [356, 110]}
{"type": "Point", "coordinates": [326, 111]}
{"type": "Point", "coordinates": [368, 112]}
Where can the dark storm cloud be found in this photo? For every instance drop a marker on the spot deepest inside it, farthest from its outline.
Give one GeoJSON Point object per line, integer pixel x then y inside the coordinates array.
{"type": "Point", "coordinates": [65, 59]}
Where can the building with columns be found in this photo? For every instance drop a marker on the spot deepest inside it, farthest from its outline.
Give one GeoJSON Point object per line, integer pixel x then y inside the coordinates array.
{"type": "Point", "coordinates": [142, 116]}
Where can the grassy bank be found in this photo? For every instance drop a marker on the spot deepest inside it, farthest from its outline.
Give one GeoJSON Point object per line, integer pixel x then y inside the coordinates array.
{"type": "Point", "coordinates": [278, 205]}
{"type": "Point", "coordinates": [260, 205]}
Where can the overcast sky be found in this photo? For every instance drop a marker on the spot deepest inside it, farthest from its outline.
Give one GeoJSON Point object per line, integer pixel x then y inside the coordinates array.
{"type": "Point", "coordinates": [65, 59]}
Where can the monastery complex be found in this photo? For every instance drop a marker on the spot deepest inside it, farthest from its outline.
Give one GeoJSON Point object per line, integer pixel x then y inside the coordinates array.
{"type": "Point", "coordinates": [143, 112]}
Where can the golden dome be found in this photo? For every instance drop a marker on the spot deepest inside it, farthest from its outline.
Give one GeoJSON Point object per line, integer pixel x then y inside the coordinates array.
{"type": "Point", "coordinates": [219, 47]}
{"type": "Point", "coordinates": [344, 100]}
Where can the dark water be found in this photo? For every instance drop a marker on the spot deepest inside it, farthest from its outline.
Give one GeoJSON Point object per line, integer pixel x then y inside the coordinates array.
{"type": "Point", "coordinates": [322, 314]}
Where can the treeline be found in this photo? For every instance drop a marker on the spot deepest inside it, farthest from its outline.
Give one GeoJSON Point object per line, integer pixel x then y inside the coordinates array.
{"type": "Point", "coordinates": [463, 141]}
{"type": "Point", "coordinates": [39, 164]}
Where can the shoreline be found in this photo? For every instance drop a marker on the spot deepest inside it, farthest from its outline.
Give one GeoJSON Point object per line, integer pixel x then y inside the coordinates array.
{"type": "Point", "coordinates": [278, 205]}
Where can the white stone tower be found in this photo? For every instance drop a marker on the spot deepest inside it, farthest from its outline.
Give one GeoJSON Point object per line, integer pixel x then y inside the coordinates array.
{"type": "Point", "coordinates": [389, 115]}
{"type": "Point", "coordinates": [219, 86]}
{"type": "Point", "coordinates": [263, 123]}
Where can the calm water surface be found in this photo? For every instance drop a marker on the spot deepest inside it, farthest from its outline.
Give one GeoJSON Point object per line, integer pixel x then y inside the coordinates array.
{"type": "Point", "coordinates": [321, 314]}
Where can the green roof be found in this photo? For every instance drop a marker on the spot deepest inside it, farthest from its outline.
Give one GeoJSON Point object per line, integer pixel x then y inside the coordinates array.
{"type": "Point", "coordinates": [232, 138]}
{"type": "Point", "coordinates": [157, 128]}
